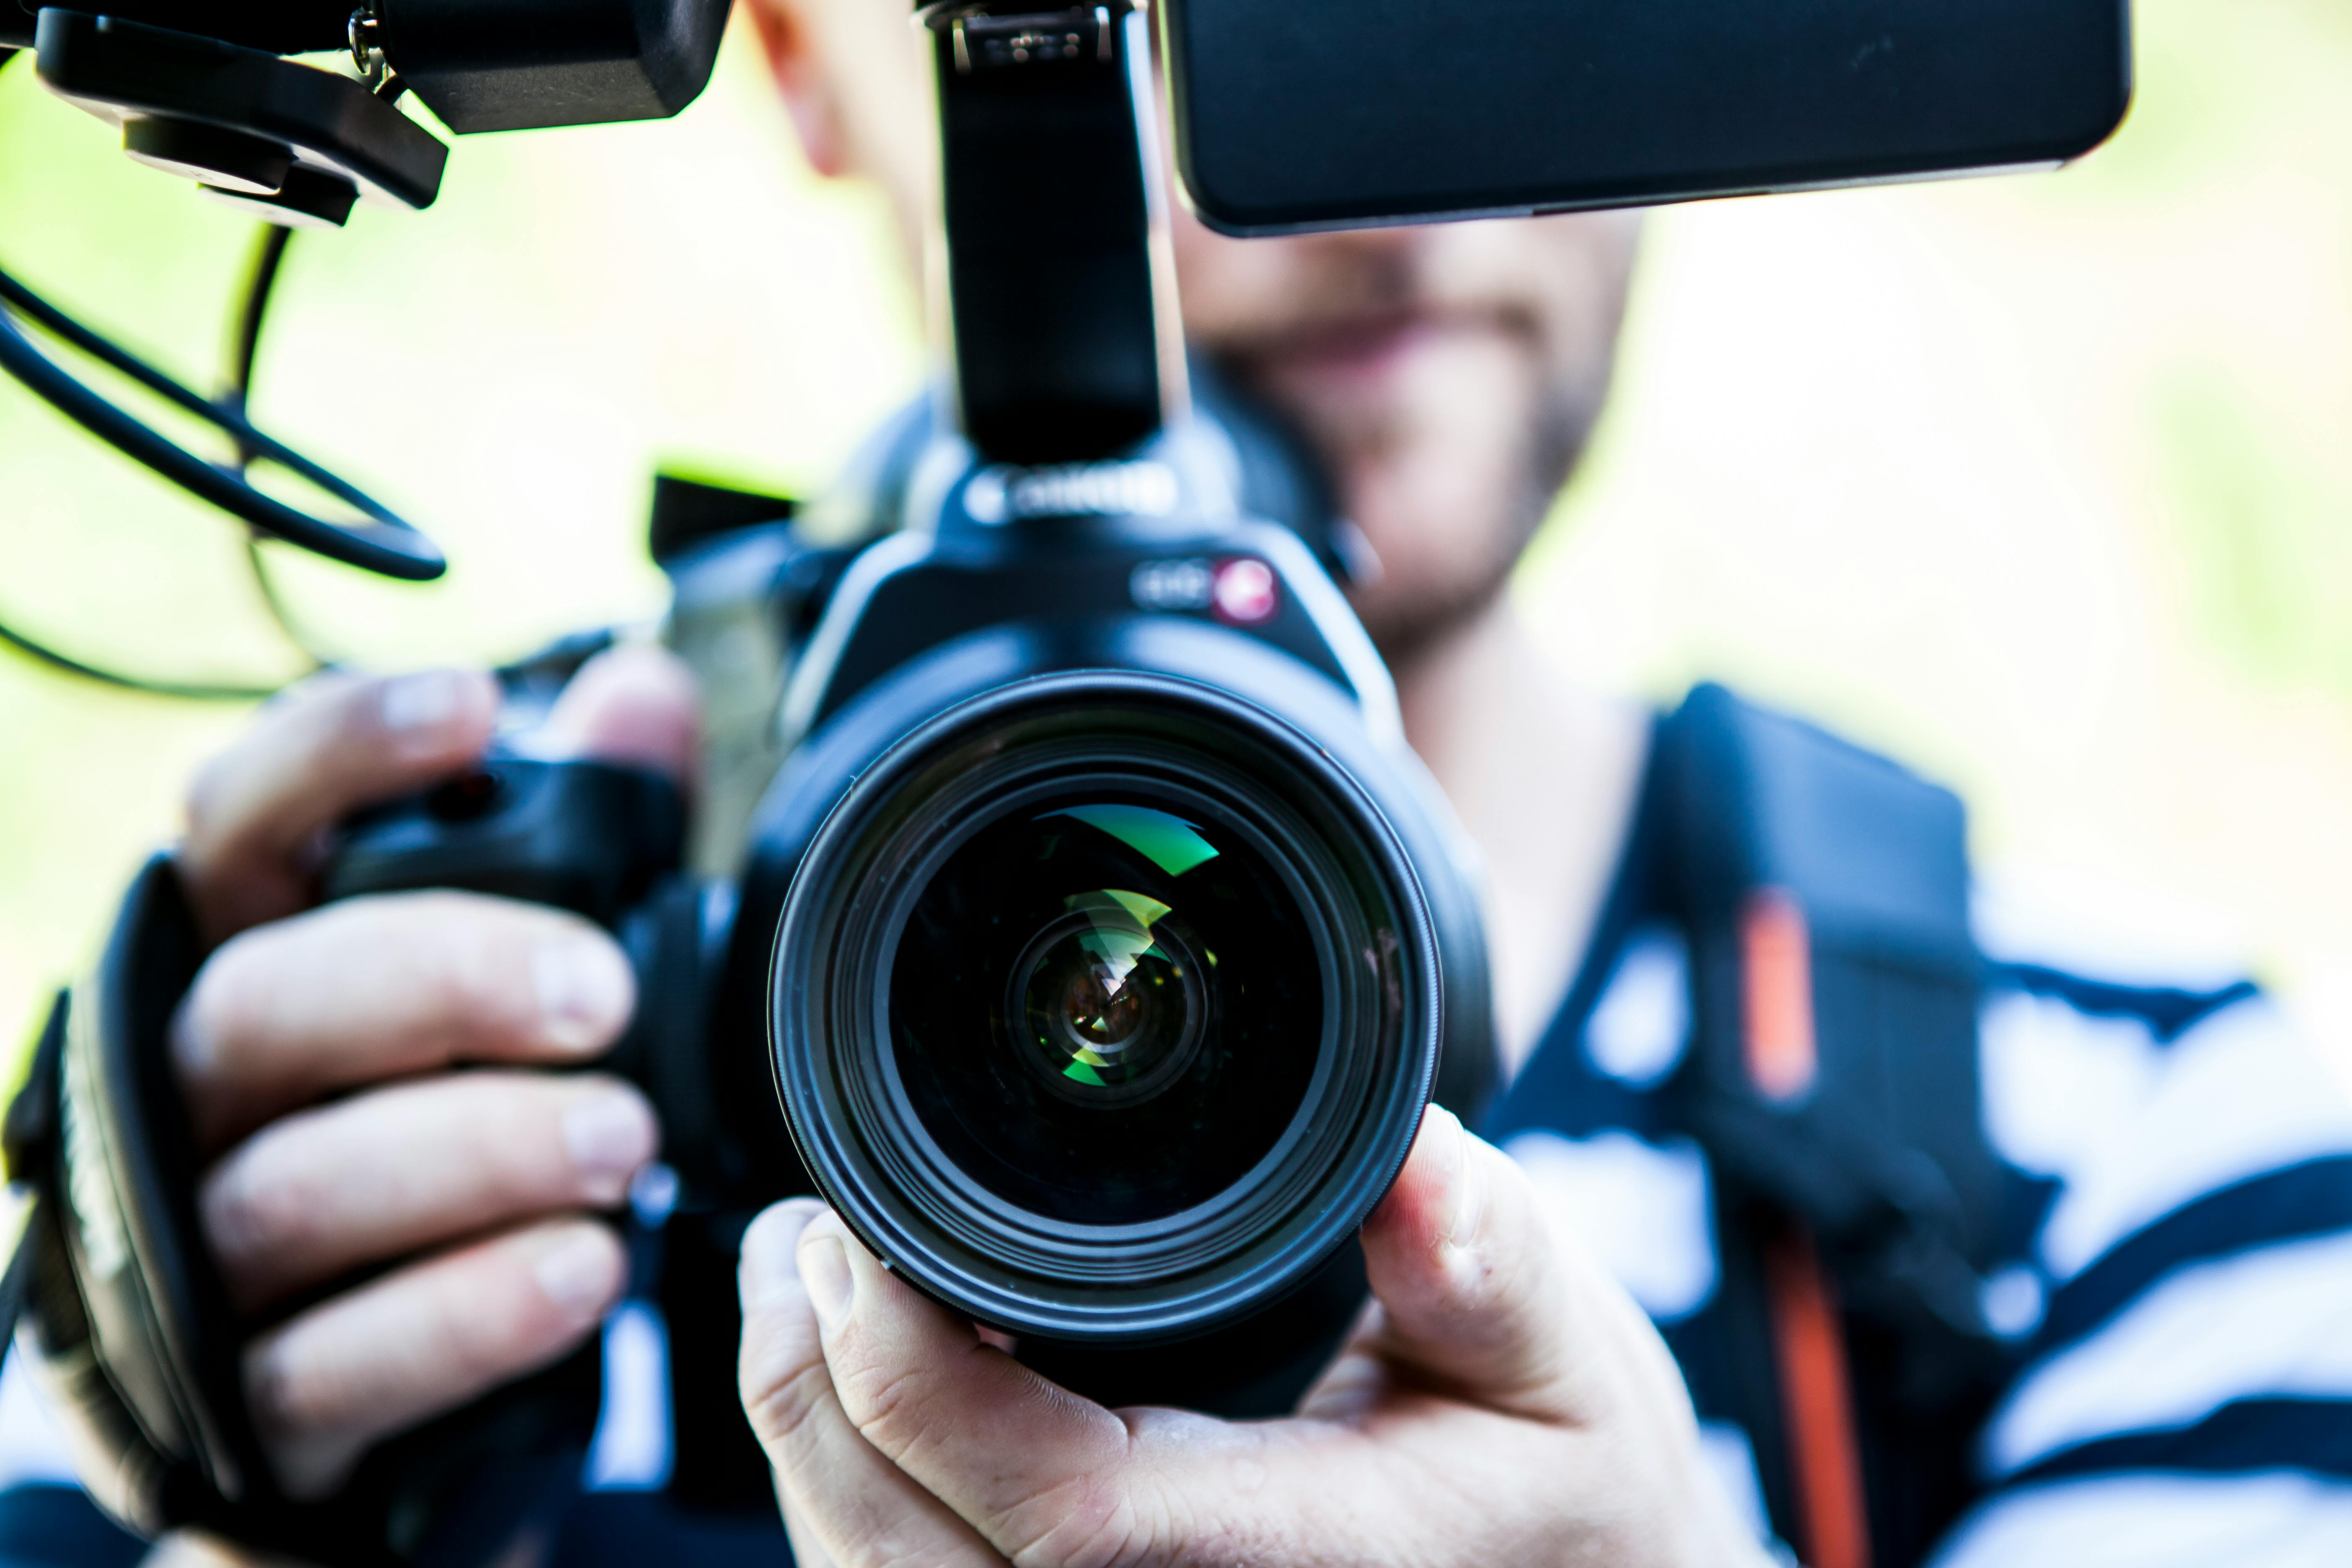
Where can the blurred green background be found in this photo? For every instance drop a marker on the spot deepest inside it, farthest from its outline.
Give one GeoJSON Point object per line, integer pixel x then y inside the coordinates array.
{"type": "Point", "coordinates": [2044, 483]}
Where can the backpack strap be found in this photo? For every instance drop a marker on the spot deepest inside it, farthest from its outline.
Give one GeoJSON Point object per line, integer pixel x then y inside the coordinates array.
{"type": "Point", "coordinates": [1834, 1081]}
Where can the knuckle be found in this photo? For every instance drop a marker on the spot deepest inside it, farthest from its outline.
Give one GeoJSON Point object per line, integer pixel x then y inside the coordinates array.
{"type": "Point", "coordinates": [884, 1402]}
{"type": "Point", "coordinates": [482, 947]}
{"type": "Point", "coordinates": [230, 1001]}
{"type": "Point", "coordinates": [482, 1349]}
{"type": "Point", "coordinates": [456, 957]}
{"type": "Point", "coordinates": [291, 1399]}
{"type": "Point", "coordinates": [208, 793]}
{"type": "Point", "coordinates": [782, 1409]}
{"type": "Point", "coordinates": [250, 1213]}
{"type": "Point", "coordinates": [223, 786]}
{"type": "Point", "coordinates": [274, 1391]}
{"type": "Point", "coordinates": [1083, 1522]}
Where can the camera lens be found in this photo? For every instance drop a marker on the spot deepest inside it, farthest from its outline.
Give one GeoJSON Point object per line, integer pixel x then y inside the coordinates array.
{"type": "Point", "coordinates": [1107, 1011]}
{"type": "Point", "coordinates": [1105, 1007]}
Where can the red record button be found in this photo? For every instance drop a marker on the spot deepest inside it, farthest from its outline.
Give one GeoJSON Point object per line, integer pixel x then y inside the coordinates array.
{"type": "Point", "coordinates": [1244, 591]}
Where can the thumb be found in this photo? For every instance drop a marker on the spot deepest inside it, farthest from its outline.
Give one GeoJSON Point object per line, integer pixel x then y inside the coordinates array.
{"type": "Point", "coordinates": [1476, 1293]}
{"type": "Point", "coordinates": [634, 704]}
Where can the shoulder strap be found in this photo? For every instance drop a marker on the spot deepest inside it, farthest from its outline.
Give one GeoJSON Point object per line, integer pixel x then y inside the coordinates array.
{"type": "Point", "coordinates": [1833, 1080]}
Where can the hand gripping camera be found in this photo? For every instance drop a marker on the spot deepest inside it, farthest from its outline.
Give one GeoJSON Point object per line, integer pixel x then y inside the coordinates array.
{"type": "Point", "coordinates": [1097, 935]}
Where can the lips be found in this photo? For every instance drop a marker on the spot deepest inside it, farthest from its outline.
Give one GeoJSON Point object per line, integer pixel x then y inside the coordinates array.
{"type": "Point", "coordinates": [1354, 348]}
{"type": "Point", "coordinates": [1365, 352]}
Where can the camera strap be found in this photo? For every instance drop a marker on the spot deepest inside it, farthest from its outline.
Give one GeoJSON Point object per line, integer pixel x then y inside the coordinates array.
{"type": "Point", "coordinates": [26, 1131]}
{"type": "Point", "coordinates": [1833, 1080]}
{"type": "Point", "coordinates": [1816, 899]}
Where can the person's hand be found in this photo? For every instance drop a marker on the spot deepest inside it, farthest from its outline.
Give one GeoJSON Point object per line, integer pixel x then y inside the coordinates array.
{"type": "Point", "coordinates": [1504, 1402]}
{"type": "Point", "coordinates": [316, 1050]}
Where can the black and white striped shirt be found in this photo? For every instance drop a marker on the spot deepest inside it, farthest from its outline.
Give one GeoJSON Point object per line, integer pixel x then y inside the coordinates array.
{"type": "Point", "coordinates": [2182, 1296]}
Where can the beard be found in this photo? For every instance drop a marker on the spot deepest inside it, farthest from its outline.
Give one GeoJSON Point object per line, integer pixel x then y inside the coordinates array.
{"type": "Point", "coordinates": [1447, 470]}
{"type": "Point", "coordinates": [1448, 381]}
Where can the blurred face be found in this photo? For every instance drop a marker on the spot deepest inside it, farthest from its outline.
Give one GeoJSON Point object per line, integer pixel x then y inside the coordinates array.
{"type": "Point", "coordinates": [1448, 375]}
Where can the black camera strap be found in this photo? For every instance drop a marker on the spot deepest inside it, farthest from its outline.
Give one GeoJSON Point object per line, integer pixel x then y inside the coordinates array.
{"type": "Point", "coordinates": [1831, 1079]}
{"type": "Point", "coordinates": [25, 1136]}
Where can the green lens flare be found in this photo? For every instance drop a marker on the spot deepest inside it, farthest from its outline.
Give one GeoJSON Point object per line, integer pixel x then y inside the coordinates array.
{"type": "Point", "coordinates": [1090, 1010]}
{"type": "Point", "coordinates": [1165, 839]}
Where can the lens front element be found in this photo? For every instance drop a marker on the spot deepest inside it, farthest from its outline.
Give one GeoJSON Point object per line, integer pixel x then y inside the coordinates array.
{"type": "Point", "coordinates": [1105, 1008]}
{"type": "Point", "coordinates": [1107, 1005]}
{"type": "Point", "coordinates": [1114, 1007]}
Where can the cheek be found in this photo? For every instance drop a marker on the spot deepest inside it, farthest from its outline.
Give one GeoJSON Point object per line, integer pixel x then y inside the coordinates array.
{"type": "Point", "coordinates": [1443, 491]}
{"type": "Point", "coordinates": [1565, 276]}
{"type": "Point", "coordinates": [1230, 287]}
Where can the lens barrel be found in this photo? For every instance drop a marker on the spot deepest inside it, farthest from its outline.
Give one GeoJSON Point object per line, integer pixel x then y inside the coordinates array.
{"type": "Point", "coordinates": [1105, 1005]}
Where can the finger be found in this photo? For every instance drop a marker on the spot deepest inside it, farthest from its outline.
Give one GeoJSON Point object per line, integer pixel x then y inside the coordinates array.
{"type": "Point", "coordinates": [380, 987]}
{"type": "Point", "coordinates": [1047, 1476]}
{"type": "Point", "coordinates": [256, 814]}
{"type": "Point", "coordinates": [1041, 1474]}
{"type": "Point", "coordinates": [1357, 1379]}
{"type": "Point", "coordinates": [1475, 1296]}
{"type": "Point", "coordinates": [426, 1340]}
{"type": "Point", "coordinates": [839, 1495]}
{"type": "Point", "coordinates": [194, 1549]}
{"type": "Point", "coordinates": [316, 1195]}
{"type": "Point", "coordinates": [633, 704]}
{"type": "Point", "coordinates": [800, 1537]}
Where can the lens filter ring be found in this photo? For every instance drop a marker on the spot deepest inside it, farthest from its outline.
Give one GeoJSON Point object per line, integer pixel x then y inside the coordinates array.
{"type": "Point", "coordinates": [1105, 1007]}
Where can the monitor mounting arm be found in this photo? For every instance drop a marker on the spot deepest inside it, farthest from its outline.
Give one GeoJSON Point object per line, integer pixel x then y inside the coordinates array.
{"type": "Point", "coordinates": [1067, 347]}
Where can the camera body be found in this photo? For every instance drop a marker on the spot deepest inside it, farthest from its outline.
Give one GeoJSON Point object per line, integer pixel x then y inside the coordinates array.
{"type": "Point", "coordinates": [1098, 932]}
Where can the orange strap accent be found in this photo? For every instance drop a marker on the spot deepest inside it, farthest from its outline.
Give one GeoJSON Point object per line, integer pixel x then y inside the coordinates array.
{"type": "Point", "coordinates": [1776, 968]}
{"type": "Point", "coordinates": [1824, 1461]}
{"type": "Point", "coordinates": [1776, 971]}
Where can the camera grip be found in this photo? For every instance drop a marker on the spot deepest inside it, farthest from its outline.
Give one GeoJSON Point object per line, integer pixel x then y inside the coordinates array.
{"type": "Point", "coordinates": [592, 837]}
{"type": "Point", "coordinates": [603, 842]}
{"type": "Point", "coordinates": [139, 1347]}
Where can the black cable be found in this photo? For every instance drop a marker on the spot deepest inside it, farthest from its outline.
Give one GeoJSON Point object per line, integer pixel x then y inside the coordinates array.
{"type": "Point", "coordinates": [227, 414]}
{"type": "Point", "coordinates": [66, 664]}
{"type": "Point", "coordinates": [269, 256]}
{"type": "Point", "coordinates": [383, 544]}
{"type": "Point", "coordinates": [244, 347]}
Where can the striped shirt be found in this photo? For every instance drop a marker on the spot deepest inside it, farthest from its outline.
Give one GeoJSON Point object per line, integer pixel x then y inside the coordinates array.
{"type": "Point", "coordinates": [2180, 1294]}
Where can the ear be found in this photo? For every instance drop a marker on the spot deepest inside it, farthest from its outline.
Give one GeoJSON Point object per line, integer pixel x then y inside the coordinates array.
{"type": "Point", "coordinates": [787, 35]}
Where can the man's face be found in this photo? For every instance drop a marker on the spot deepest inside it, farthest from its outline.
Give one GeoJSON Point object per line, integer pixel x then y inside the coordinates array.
{"type": "Point", "coordinates": [1447, 375]}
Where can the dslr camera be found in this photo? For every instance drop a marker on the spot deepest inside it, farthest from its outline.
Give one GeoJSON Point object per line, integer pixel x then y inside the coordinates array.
{"type": "Point", "coordinates": [1061, 904]}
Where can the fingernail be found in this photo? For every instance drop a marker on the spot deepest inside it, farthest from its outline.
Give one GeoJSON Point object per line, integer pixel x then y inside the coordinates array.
{"type": "Point", "coordinates": [580, 1273]}
{"type": "Point", "coordinates": [584, 991]}
{"type": "Point", "coordinates": [424, 700]}
{"type": "Point", "coordinates": [190, 1042]}
{"type": "Point", "coordinates": [765, 1269]}
{"type": "Point", "coordinates": [609, 1135]}
{"type": "Point", "coordinates": [824, 1274]}
{"type": "Point", "coordinates": [1464, 1181]}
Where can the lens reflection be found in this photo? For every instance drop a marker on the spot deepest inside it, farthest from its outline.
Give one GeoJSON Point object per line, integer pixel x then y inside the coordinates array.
{"type": "Point", "coordinates": [1113, 1005]}
{"type": "Point", "coordinates": [1105, 1010]}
